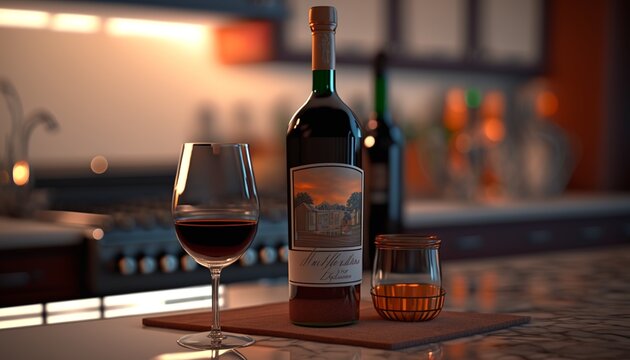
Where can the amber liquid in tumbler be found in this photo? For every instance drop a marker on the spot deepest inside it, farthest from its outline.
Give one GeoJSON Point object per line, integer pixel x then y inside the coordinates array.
{"type": "Point", "coordinates": [408, 302]}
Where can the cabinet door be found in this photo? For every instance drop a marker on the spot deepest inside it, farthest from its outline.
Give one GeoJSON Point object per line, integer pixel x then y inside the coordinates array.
{"type": "Point", "coordinates": [433, 29]}
{"type": "Point", "coordinates": [361, 30]}
{"type": "Point", "coordinates": [493, 36]}
{"type": "Point", "coordinates": [35, 275]}
{"type": "Point", "coordinates": [510, 31]}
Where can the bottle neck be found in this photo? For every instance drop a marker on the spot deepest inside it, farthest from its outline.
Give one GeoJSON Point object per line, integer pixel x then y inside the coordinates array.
{"type": "Point", "coordinates": [381, 106]}
{"type": "Point", "coordinates": [323, 82]}
{"type": "Point", "coordinates": [380, 96]}
{"type": "Point", "coordinates": [323, 59]}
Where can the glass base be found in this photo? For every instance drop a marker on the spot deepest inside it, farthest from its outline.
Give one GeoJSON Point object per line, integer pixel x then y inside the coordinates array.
{"type": "Point", "coordinates": [203, 341]}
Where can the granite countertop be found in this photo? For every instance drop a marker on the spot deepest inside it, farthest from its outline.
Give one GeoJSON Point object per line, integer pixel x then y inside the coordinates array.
{"type": "Point", "coordinates": [579, 303]}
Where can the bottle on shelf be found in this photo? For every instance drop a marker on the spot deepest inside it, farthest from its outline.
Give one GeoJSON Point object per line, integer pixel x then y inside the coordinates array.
{"type": "Point", "coordinates": [325, 194]}
{"type": "Point", "coordinates": [384, 147]}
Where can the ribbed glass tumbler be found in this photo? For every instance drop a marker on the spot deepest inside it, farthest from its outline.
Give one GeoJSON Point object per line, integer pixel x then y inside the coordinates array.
{"type": "Point", "coordinates": [406, 278]}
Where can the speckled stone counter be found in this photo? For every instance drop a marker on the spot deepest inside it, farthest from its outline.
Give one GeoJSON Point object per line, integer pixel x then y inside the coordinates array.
{"type": "Point", "coordinates": [579, 302]}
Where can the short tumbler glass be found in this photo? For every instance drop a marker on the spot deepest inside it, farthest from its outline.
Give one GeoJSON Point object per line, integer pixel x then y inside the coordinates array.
{"type": "Point", "coordinates": [407, 277]}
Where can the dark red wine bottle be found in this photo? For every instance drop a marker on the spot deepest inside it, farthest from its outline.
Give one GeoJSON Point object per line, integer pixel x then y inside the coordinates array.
{"type": "Point", "coordinates": [384, 144]}
{"type": "Point", "coordinates": [325, 194]}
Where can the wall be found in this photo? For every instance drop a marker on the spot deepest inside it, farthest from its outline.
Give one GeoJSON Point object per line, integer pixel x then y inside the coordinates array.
{"type": "Point", "coordinates": [577, 42]}
{"type": "Point", "coordinates": [136, 99]}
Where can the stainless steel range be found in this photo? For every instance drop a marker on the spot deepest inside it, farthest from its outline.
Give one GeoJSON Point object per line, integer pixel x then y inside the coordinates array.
{"type": "Point", "coordinates": [133, 246]}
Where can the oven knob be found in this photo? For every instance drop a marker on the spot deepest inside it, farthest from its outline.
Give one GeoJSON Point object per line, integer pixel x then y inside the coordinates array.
{"type": "Point", "coordinates": [268, 255]}
{"type": "Point", "coordinates": [249, 258]}
{"type": "Point", "coordinates": [283, 253]}
{"type": "Point", "coordinates": [188, 263]}
{"type": "Point", "coordinates": [168, 263]}
{"type": "Point", "coordinates": [127, 265]}
{"type": "Point", "coordinates": [148, 265]}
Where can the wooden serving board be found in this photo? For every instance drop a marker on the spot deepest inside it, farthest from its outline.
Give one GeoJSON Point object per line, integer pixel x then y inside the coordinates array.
{"type": "Point", "coordinates": [371, 331]}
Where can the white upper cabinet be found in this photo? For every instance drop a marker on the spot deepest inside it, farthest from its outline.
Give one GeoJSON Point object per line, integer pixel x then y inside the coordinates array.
{"type": "Point", "coordinates": [433, 29]}
{"type": "Point", "coordinates": [361, 29]}
{"type": "Point", "coordinates": [510, 31]}
{"type": "Point", "coordinates": [500, 36]}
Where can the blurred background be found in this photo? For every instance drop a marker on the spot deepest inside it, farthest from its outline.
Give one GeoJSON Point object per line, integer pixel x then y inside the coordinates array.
{"type": "Point", "coordinates": [513, 111]}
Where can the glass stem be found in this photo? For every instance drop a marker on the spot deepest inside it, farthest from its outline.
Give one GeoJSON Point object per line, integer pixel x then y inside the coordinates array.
{"type": "Point", "coordinates": [215, 330]}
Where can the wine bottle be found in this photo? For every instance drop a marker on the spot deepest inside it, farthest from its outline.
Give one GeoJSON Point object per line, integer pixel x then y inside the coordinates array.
{"type": "Point", "coordinates": [325, 194]}
{"type": "Point", "coordinates": [384, 146]}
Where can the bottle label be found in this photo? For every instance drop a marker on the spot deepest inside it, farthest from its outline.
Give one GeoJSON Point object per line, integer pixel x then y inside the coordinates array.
{"type": "Point", "coordinates": [327, 225]}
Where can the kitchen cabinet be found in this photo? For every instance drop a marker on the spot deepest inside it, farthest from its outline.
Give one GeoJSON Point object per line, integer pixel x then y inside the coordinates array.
{"type": "Point", "coordinates": [39, 261]}
{"type": "Point", "coordinates": [259, 9]}
{"type": "Point", "coordinates": [361, 29]}
{"type": "Point", "coordinates": [510, 31]}
{"type": "Point", "coordinates": [489, 36]}
{"type": "Point", "coordinates": [433, 29]}
{"type": "Point", "coordinates": [498, 228]}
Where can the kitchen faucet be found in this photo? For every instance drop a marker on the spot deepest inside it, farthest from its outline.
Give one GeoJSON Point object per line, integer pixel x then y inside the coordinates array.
{"type": "Point", "coordinates": [16, 196]}
{"type": "Point", "coordinates": [22, 127]}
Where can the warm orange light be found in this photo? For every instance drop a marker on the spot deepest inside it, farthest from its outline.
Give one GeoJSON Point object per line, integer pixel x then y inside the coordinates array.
{"type": "Point", "coordinates": [182, 32]}
{"type": "Point", "coordinates": [463, 143]}
{"type": "Point", "coordinates": [24, 18]}
{"type": "Point", "coordinates": [546, 103]}
{"type": "Point", "coordinates": [493, 129]}
{"type": "Point", "coordinates": [455, 115]}
{"type": "Point", "coordinates": [458, 290]}
{"type": "Point", "coordinates": [487, 294]}
{"type": "Point", "coordinates": [98, 234]}
{"type": "Point", "coordinates": [75, 23]}
{"type": "Point", "coordinates": [369, 141]}
{"type": "Point", "coordinates": [372, 124]}
{"type": "Point", "coordinates": [245, 42]}
{"type": "Point", "coordinates": [21, 173]}
{"type": "Point", "coordinates": [99, 164]}
{"type": "Point", "coordinates": [493, 104]}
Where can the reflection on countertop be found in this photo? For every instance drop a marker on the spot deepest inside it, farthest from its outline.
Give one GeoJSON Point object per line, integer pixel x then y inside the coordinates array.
{"type": "Point", "coordinates": [579, 302]}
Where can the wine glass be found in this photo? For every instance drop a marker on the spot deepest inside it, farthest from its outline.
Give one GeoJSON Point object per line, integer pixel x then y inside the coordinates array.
{"type": "Point", "coordinates": [215, 210]}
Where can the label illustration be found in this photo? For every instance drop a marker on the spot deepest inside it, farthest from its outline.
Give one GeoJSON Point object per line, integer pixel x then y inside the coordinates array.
{"type": "Point", "coordinates": [327, 236]}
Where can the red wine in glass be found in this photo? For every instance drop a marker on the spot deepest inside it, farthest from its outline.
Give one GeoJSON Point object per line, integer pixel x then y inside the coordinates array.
{"type": "Point", "coordinates": [215, 240]}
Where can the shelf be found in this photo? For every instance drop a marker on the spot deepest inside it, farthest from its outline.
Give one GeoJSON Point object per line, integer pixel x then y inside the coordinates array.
{"type": "Point", "coordinates": [258, 9]}
{"type": "Point", "coordinates": [470, 49]}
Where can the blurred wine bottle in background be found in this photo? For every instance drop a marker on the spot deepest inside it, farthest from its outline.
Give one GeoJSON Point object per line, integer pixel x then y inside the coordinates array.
{"type": "Point", "coordinates": [384, 145]}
